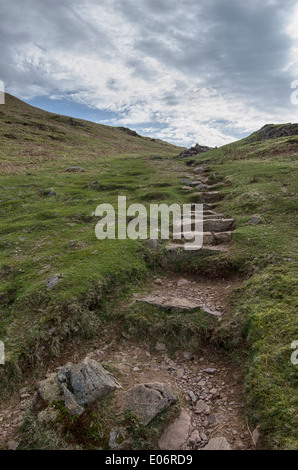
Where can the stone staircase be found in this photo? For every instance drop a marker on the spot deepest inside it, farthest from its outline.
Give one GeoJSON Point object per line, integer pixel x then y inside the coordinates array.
{"type": "Point", "coordinates": [217, 229]}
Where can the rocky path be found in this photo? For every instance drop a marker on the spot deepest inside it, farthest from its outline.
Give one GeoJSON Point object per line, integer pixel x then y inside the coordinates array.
{"type": "Point", "coordinates": [208, 383]}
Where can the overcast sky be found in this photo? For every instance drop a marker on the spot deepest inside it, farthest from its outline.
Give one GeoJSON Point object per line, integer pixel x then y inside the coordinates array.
{"type": "Point", "coordinates": [186, 71]}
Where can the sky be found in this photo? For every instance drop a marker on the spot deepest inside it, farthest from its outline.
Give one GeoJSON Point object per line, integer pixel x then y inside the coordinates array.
{"type": "Point", "coordinates": [185, 71]}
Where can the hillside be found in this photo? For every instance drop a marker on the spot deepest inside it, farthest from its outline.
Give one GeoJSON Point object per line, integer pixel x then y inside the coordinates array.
{"type": "Point", "coordinates": [65, 294]}
{"type": "Point", "coordinates": [33, 138]}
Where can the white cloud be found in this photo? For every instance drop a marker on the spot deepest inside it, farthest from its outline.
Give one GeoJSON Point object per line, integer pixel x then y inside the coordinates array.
{"type": "Point", "coordinates": [181, 69]}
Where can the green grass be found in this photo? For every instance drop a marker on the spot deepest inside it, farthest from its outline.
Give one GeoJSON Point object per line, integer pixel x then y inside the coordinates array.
{"type": "Point", "coordinates": [42, 235]}
{"type": "Point", "coordinates": [261, 181]}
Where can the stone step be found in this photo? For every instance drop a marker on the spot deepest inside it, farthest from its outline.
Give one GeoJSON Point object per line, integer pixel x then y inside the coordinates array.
{"type": "Point", "coordinates": [194, 215]}
{"type": "Point", "coordinates": [206, 197]}
{"type": "Point", "coordinates": [187, 182]}
{"type": "Point", "coordinates": [209, 238]}
{"type": "Point", "coordinates": [210, 224]}
{"type": "Point", "coordinates": [176, 251]}
{"type": "Point", "coordinates": [172, 303]}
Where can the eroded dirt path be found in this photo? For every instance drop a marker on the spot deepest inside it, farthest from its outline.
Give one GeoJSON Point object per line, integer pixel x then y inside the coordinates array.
{"type": "Point", "coordinates": [209, 384]}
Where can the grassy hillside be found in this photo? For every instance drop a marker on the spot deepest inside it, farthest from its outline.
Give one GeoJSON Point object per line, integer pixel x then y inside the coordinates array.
{"type": "Point", "coordinates": [47, 228]}
{"type": "Point", "coordinates": [47, 223]}
{"type": "Point", "coordinates": [261, 193]}
{"type": "Point", "coordinates": [34, 139]}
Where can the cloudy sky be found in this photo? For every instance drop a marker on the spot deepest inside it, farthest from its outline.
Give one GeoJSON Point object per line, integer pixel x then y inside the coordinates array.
{"type": "Point", "coordinates": [186, 71]}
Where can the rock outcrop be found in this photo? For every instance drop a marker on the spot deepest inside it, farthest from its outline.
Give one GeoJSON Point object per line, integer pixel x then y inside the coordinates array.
{"type": "Point", "coordinates": [148, 400]}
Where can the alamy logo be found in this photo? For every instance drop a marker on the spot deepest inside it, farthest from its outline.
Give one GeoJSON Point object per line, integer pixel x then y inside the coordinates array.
{"type": "Point", "coordinates": [2, 93]}
{"type": "Point", "coordinates": [2, 353]}
{"type": "Point", "coordinates": [164, 222]}
{"type": "Point", "coordinates": [294, 95]}
{"type": "Point", "coordinates": [294, 356]}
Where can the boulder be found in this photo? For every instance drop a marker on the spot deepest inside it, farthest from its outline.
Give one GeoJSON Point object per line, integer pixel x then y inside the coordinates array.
{"type": "Point", "coordinates": [88, 380]}
{"type": "Point", "coordinates": [148, 400]}
{"type": "Point", "coordinates": [217, 443]}
{"type": "Point", "coordinates": [176, 435]}
{"type": "Point", "coordinates": [218, 225]}
{"type": "Point", "coordinates": [49, 389]}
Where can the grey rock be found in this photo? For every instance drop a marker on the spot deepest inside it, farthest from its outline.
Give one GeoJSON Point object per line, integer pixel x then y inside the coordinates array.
{"type": "Point", "coordinates": [256, 435]}
{"type": "Point", "coordinates": [53, 280]}
{"type": "Point", "coordinates": [202, 407]}
{"type": "Point", "coordinates": [210, 370]}
{"type": "Point", "coordinates": [188, 355]}
{"type": "Point", "coordinates": [170, 303]}
{"type": "Point", "coordinates": [195, 438]}
{"type": "Point", "coordinates": [49, 389]}
{"type": "Point", "coordinates": [71, 403]}
{"type": "Point", "coordinates": [47, 192]}
{"type": "Point", "coordinates": [255, 220]}
{"type": "Point", "coordinates": [192, 396]}
{"type": "Point", "coordinates": [217, 443]}
{"type": "Point", "coordinates": [148, 400]}
{"type": "Point", "coordinates": [88, 380]}
{"type": "Point", "coordinates": [12, 445]}
{"type": "Point", "coordinates": [218, 225]}
{"type": "Point", "coordinates": [152, 244]}
{"type": "Point", "coordinates": [177, 434]}
{"type": "Point", "coordinates": [74, 169]}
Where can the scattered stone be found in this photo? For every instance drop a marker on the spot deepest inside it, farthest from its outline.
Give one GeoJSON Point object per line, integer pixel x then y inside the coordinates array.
{"type": "Point", "coordinates": [195, 438]}
{"type": "Point", "coordinates": [53, 280]}
{"type": "Point", "coordinates": [47, 192]}
{"type": "Point", "coordinates": [176, 435]}
{"type": "Point", "coordinates": [202, 407]}
{"type": "Point", "coordinates": [217, 443]}
{"type": "Point", "coordinates": [192, 396]}
{"type": "Point", "coordinates": [73, 169]}
{"type": "Point", "coordinates": [182, 282]}
{"type": "Point", "coordinates": [180, 373]}
{"type": "Point", "coordinates": [160, 347]}
{"type": "Point", "coordinates": [256, 435]}
{"type": "Point", "coordinates": [210, 371]}
{"type": "Point", "coordinates": [255, 220]}
{"type": "Point", "coordinates": [12, 445]}
{"type": "Point", "coordinates": [152, 243]}
{"type": "Point", "coordinates": [188, 355]}
{"type": "Point", "coordinates": [148, 400]}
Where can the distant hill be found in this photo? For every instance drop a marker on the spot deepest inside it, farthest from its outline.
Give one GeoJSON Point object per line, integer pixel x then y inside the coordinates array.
{"type": "Point", "coordinates": [30, 136]}
{"type": "Point", "coordinates": [274, 131]}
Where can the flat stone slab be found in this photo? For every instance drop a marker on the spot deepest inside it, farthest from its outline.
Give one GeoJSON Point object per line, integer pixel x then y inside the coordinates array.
{"type": "Point", "coordinates": [176, 303]}
{"type": "Point", "coordinates": [175, 249]}
{"type": "Point", "coordinates": [207, 197]}
{"type": "Point", "coordinates": [176, 435]}
{"type": "Point", "coordinates": [218, 225]}
{"type": "Point", "coordinates": [217, 443]}
{"type": "Point", "coordinates": [148, 400]}
{"type": "Point", "coordinates": [170, 303]}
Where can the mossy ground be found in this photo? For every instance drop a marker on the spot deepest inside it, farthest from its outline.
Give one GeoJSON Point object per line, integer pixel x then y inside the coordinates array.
{"type": "Point", "coordinates": [261, 181]}
{"type": "Point", "coordinates": [42, 235]}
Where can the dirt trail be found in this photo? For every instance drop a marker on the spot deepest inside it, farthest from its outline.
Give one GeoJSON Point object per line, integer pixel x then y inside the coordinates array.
{"type": "Point", "coordinates": [209, 382]}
